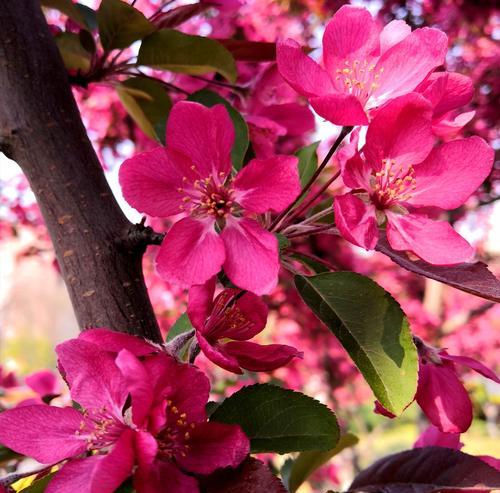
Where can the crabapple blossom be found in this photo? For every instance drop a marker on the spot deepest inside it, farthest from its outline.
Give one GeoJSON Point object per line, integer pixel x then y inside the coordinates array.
{"type": "Point", "coordinates": [192, 177]}
{"type": "Point", "coordinates": [364, 66]}
{"type": "Point", "coordinates": [397, 178]}
{"type": "Point", "coordinates": [224, 325]}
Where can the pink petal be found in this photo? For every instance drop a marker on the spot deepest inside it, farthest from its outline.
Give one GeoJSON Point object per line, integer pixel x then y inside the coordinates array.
{"type": "Point", "coordinates": [267, 184]}
{"type": "Point", "coordinates": [448, 127]}
{"type": "Point", "coordinates": [356, 220]}
{"type": "Point", "coordinates": [472, 364]}
{"type": "Point", "coordinates": [98, 473]}
{"type": "Point", "coordinates": [434, 87]}
{"type": "Point", "coordinates": [352, 34]}
{"type": "Point", "coordinates": [296, 118]}
{"type": "Point", "coordinates": [93, 378]}
{"type": "Point", "coordinates": [435, 242]}
{"type": "Point", "coordinates": [146, 448]}
{"type": "Point", "coordinates": [408, 63]}
{"type": "Point", "coordinates": [191, 253]}
{"type": "Point", "coordinates": [301, 71]}
{"type": "Point", "coordinates": [443, 398]}
{"type": "Point", "coordinates": [341, 109]}
{"type": "Point", "coordinates": [214, 445]}
{"type": "Point", "coordinates": [114, 342]}
{"type": "Point", "coordinates": [356, 172]}
{"type": "Point", "coordinates": [205, 135]}
{"type": "Point", "coordinates": [43, 432]}
{"type": "Point", "coordinates": [401, 130]}
{"type": "Point", "coordinates": [138, 384]}
{"type": "Point", "coordinates": [150, 181]}
{"type": "Point", "coordinates": [164, 477]}
{"type": "Point", "coordinates": [257, 357]}
{"type": "Point", "coordinates": [433, 437]}
{"type": "Point", "coordinates": [393, 33]}
{"type": "Point", "coordinates": [252, 259]}
{"type": "Point", "coordinates": [379, 409]}
{"type": "Point", "coordinates": [217, 355]}
{"type": "Point", "coordinates": [254, 312]}
{"type": "Point", "coordinates": [491, 461]}
{"type": "Point", "coordinates": [457, 93]}
{"type": "Point", "coordinates": [452, 173]}
{"type": "Point", "coordinates": [43, 382]}
{"type": "Point", "coordinates": [264, 134]}
{"type": "Point", "coordinates": [201, 302]}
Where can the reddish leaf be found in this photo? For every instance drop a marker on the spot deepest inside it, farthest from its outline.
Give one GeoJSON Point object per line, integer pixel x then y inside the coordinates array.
{"type": "Point", "coordinates": [177, 16]}
{"type": "Point", "coordinates": [473, 278]}
{"type": "Point", "coordinates": [427, 470]}
{"type": "Point", "coordinates": [251, 477]}
{"type": "Point", "coordinates": [250, 51]}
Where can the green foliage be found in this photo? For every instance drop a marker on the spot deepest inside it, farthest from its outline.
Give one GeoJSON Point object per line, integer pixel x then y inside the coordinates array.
{"type": "Point", "coordinates": [120, 24]}
{"type": "Point", "coordinates": [373, 329]}
{"type": "Point", "coordinates": [39, 485]}
{"type": "Point", "coordinates": [240, 146]}
{"type": "Point", "coordinates": [181, 325]}
{"type": "Point", "coordinates": [309, 462]}
{"type": "Point", "coordinates": [148, 104]}
{"type": "Point", "coordinates": [279, 420]}
{"type": "Point", "coordinates": [308, 162]}
{"type": "Point", "coordinates": [74, 55]}
{"type": "Point", "coordinates": [178, 52]}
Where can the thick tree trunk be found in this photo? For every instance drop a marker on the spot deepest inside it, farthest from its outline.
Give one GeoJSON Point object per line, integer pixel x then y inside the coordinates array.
{"type": "Point", "coordinates": [41, 129]}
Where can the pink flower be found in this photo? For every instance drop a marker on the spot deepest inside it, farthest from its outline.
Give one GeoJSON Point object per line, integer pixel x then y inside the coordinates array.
{"type": "Point", "coordinates": [440, 393]}
{"type": "Point", "coordinates": [446, 92]}
{"type": "Point", "coordinates": [44, 382]}
{"type": "Point", "coordinates": [7, 379]}
{"type": "Point", "coordinates": [364, 66]}
{"type": "Point", "coordinates": [397, 176]}
{"type": "Point", "coordinates": [225, 324]}
{"type": "Point", "coordinates": [192, 175]}
{"type": "Point", "coordinates": [145, 418]}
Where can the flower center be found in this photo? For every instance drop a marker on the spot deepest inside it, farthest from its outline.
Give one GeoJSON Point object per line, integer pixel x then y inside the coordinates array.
{"type": "Point", "coordinates": [208, 197]}
{"type": "Point", "coordinates": [359, 78]}
{"type": "Point", "coordinates": [100, 429]}
{"type": "Point", "coordinates": [173, 440]}
{"type": "Point", "coordinates": [392, 184]}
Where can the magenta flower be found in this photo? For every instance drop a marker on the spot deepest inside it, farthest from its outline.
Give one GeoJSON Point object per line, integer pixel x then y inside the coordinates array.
{"type": "Point", "coordinates": [7, 379]}
{"type": "Point", "coordinates": [447, 92]}
{"type": "Point", "coordinates": [225, 324]}
{"type": "Point", "coordinates": [364, 67]}
{"type": "Point", "coordinates": [398, 176]}
{"type": "Point", "coordinates": [192, 176]}
{"type": "Point", "coordinates": [145, 418]}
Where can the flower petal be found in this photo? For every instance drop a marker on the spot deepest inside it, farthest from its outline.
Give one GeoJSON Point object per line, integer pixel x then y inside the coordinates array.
{"type": "Point", "coordinates": [340, 109]}
{"type": "Point", "coordinates": [393, 33]}
{"type": "Point", "coordinates": [201, 302]}
{"type": "Point", "coordinates": [93, 378]}
{"type": "Point", "coordinates": [356, 172]}
{"type": "Point", "coordinates": [191, 253]}
{"type": "Point", "coordinates": [268, 184]}
{"type": "Point", "coordinates": [433, 437]}
{"type": "Point", "coordinates": [443, 398]}
{"type": "Point", "coordinates": [301, 71]}
{"type": "Point", "coordinates": [43, 382]}
{"type": "Point", "coordinates": [449, 127]}
{"type": "Point", "coordinates": [205, 135]}
{"type": "Point", "coordinates": [435, 242]}
{"type": "Point", "coordinates": [297, 119]}
{"type": "Point", "coordinates": [217, 355]}
{"type": "Point", "coordinates": [458, 92]}
{"type": "Point", "coordinates": [258, 357]}
{"type": "Point", "coordinates": [214, 445]}
{"type": "Point", "coordinates": [452, 173]}
{"type": "Point", "coordinates": [401, 130]}
{"type": "Point", "coordinates": [252, 259]}
{"type": "Point", "coordinates": [406, 64]}
{"type": "Point", "coordinates": [356, 220]}
{"type": "Point", "coordinates": [43, 432]}
{"type": "Point", "coordinates": [164, 476]}
{"type": "Point", "coordinates": [472, 364]}
{"type": "Point", "coordinates": [351, 34]}
{"type": "Point", "coordinates": [150, 181]}
{"type": "Point", "coordinates": [253, 311]}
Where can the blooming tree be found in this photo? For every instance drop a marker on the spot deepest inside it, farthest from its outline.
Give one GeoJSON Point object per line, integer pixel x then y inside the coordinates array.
{"type": "Point", "coordinates": [249, 225]}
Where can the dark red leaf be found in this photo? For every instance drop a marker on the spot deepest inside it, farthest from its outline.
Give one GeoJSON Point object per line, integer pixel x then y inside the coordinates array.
{"type": "Point", "coordinates": [252, 476]}
{"type": "Point", "coordinates": [473, 278]}
{"type": "Point", "coordinates": [177, 16]}
{"type": "Point", "coordinates": [427, 470]}
{"type": "Point", "coordinates": [250, 51]}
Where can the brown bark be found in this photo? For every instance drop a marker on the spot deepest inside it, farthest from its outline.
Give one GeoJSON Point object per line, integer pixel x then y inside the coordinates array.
{"type": "Point", "coordinates": [41, 129]}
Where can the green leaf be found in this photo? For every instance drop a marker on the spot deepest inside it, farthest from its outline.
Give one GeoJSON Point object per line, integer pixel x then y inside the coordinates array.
{"type": "Point", "coordinates": [7, 454]}
{"type": "Point", "coordinates": [178, 52]}
{"type": "Point", "coordinates": [67, 7]}
{"type": "Point", "coordinates": [279, 420]}
{"type": "Point", "coordinates": [283, 241]}
{"type": "Point", "coordinates": [89, 15]}
{"type": "Point", "coordinates": [209, 99]}
{"type": "Point", "coordinates": [120, 24]}
{"type": "Point", "coordinates": [309, 462]}
{"type": "Point", "coordinates": [40, 485]}
{"type": "Point", "coordinates": [74, 55]}
{"type": "Point", "coordinates": [148, 104]}
{"type": "Point", "coordinates": [373, 329]}
{"type": "Point", "coordinates": [181, 325]}
{"type": "Point", "coordinates": [308, 162]}
{"type": "Point", "coordinates": [314, 265]}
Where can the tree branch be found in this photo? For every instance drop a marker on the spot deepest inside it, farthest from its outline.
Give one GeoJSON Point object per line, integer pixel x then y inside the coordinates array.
{"type": "Point", "coordinates": [41, 129]}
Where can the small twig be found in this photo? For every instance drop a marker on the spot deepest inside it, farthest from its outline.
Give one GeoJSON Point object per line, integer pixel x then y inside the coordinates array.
{"type": "Point", "coordinates": [140, 236]}
{"type": "Point", "coordinates": [166, 84]}
{"type": "Point", "coordinates": [321, 261]}
{"type": "Point", "coordinates": [219, 83]}
{"type": "Point", "coordinates": [316, 231]}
